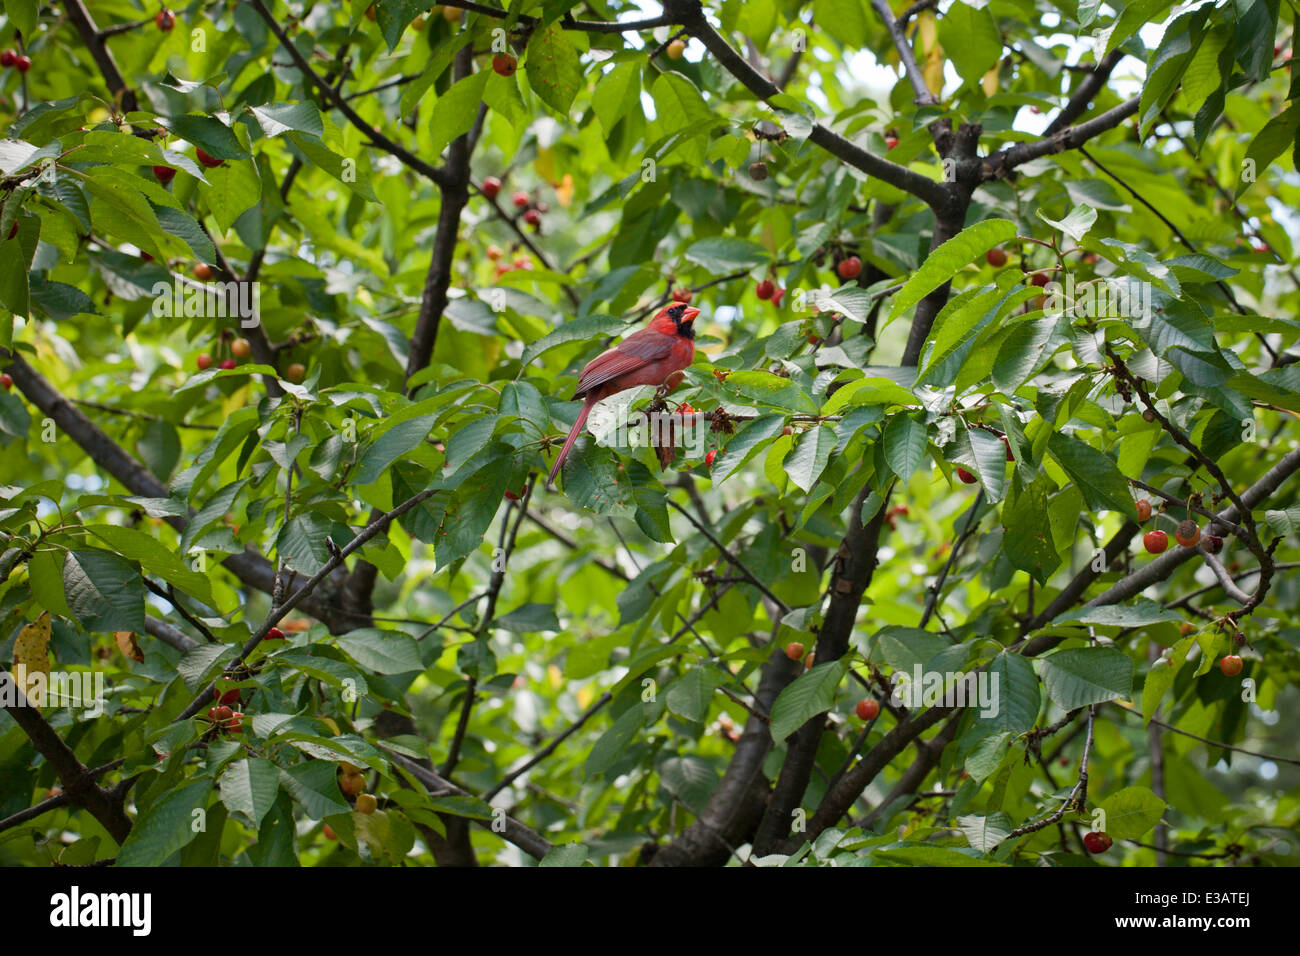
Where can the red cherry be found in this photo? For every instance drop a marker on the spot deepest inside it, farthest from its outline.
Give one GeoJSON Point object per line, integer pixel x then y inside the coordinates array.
{"type": "Point", "coordinates": [533, 217]}
{"type": "Point", "coordinates": [849, 268]}
{"type": "Point", "coordinates": [8, 58]}
{"type": "Point", "coordinates": [966, 476]}
{"type": "Point", "coordinates": [274, 634]}
{"type": "Point", "coordinates": [765, 289]}
{"type": "Point", "coordinates": [891, 141]}
{"type": "Point", "coordinates": [1230, 665]}
{"type": "Point", "coordinates": [236, 725]}
{"type": "Point", "coordinates": [228, 363]}
{"type": "Point", "coordinates": [165, 20]}
{"type": "Point", "coordinates": [1006, 443]}
{"type": "Point", "coordinates": [24, 63]}
{"type": "Point", "coordinates": [204, 361]}
{"type": "Point", "coordinates": [1188, 533]}
{"type": "Point", "coordinates": [491, 186]}
{"type": "Point", "coordinates": [520, 199]}
{"type": "Point", "coordinates": [494, 252]}
{"type": "Point", "coordinates": [203, 272]}
{"type": "Point", "coordinates": [868, 708]}
{"type": "Point", "coordinates": [6, 381]}
{"type": "Point", "coordinates": [505, 64]}
{"type": "Point", "coordinates": [164, 174]}
{"type": "Point", "coordinates": [996, 257]}
{"type": "Point", "coordinates": [777, 296]}
{"type": "Point", "coordinates": [1039, 279]}
{"type": "Point", "coordinates": [1143, 509]}
{"type": "Point", "coordinates": [1097, 842]}
{"type": "Point", "coordinates": [220, 714]}
{"type": "Point", "coordinates": [206, 158]}
{"type": "Point", "coordinates": [794, 650]}
{"type": "Point", "coordinates": [683, 296]}
{"type": "Point", "coordinates": [1211, 543]}
{"type": "Point", "coordinates": [708, 459]}
{"type": "Point", "coordinates": [227, 698]}
{"type": "Point", "coordinates": [1155, 541]}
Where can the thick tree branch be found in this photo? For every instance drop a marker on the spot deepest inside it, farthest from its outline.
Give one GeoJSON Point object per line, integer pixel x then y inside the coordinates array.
{"type": "Point", "coordinates": [95, 43]}
{"type": "Point", "coordinates": [1088, 87]}
{"type": "Point", "coordinates": [78, 780]}
{"type": "Point", "coordinates": [515, 832]}
{"type": "Point", "coordinates": [932, 193]}
{"type": "Point", "coordinates": [252, 569]}
{"type": "Point", "coordinates": [378, 139]}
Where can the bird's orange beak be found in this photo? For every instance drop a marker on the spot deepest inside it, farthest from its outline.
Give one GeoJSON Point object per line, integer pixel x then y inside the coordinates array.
{"type": "Point", "coordinates": [690, 314]}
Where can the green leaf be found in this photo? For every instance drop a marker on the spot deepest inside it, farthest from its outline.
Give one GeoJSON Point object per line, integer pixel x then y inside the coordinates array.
{"type": "Point", "coordinates": [155, 558]}
{"type": "Point", "coordinates": [103, 591]}
{"type": "Point", "coordinates": [1076, 223]}
{"type": "Point", "coordinates": [905, 648]}
{"type": "Point", "coordinates": [721, 254]}
{"type": "Point", "coordinates": [566, 854]}
{"type": "Point", "coordinates": [249, 788]}
{"type": "Point", "coordinates": [552, 67]}
{"type": "Point", "coordinates": [455, 111]}
{"type": "Point", "coordinates": [277, 118]}
{"type": "Point", "coordinates": [690, 695]}
{"type": "Point", "coordinates": [217, 139]}
{"type": "Point", "coordinates": [1143, 612]}
{"type": "Point", "coordinates": [970, 37]}
{"type": "Point", "coordinates": [393, 17]}
{"type": "Point", "coordinates": [529, 619]}
{"type": "Point", "coordinates": [1093, 473]}
{"type": "Point", "coordinates": [22, 14]}
{"type": "Point", "coordinates": [611, 746]}
{"type": "Point", "coordinates": [809, 694]}
{"type": "Point", "coordinates": [166, 827]}
{"type": "Point", "coordinates": [384, 652]}
{"type": "Point", "coordinates": [1081, 676]}
{"type": "Point", "coordinates": [984, 833]}
{"type": "Point", "coordinates": [811, 453]}
{"type": "Point", "coordinates": [391, 445]}
{"type": "Point", "coordinates": [1027, 540]}
{"type": "Point", "coordinates": [1016, 693]}
{"type": "Point", "coordinates": [585, 329]}
{"type": "Point", "coordinates": [905, 441]}
{"type": "Point", "coordinates": [1161, 676]}
{"type": "Point", "coordinates": [315, 787]}
{"type": "Point", "coordinates": [946, 261]}
{"type": "Point", "coordinates": [616, 94]}
{"type": "Point", "coordinates": [1131, 812]}
{"type": "Point", "coordinates": [691, 779]}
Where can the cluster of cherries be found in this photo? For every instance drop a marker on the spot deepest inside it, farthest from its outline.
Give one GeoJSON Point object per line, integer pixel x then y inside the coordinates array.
{"type": "Point", "coordinates": [1188, 534]}
{"type": "Point", "coordinates": [20, 61]}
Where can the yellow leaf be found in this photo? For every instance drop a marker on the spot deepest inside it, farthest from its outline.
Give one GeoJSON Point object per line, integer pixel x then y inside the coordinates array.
{"type": "Point", "coordinates": [127, 644]}
{"type": "Point", "coordinates": [932, 68]}
{"type": "Point", "coordinates": [32, 657]}
{"type": "Point", "coordinates": [990, 82]}
{"type": "Point", "coordinates": [545, 163]}
{"type": "Point", "coordinates": [564, 190]}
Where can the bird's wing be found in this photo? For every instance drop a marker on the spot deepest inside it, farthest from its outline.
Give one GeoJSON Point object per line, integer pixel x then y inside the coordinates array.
{"type": "Point", "coordinates": [636, 351]}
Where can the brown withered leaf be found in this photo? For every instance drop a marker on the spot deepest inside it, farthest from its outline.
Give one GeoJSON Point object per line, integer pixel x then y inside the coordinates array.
{"type": "Point", "coordinates": [127, 644]}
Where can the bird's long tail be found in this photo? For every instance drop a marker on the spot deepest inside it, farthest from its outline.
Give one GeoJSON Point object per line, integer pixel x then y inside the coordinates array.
{"type": "Point", "coordinates": [578, 425]}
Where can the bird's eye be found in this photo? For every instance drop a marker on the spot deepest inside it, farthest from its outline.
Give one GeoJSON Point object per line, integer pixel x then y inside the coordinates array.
{"type": "Point", "coordinates": [676, 313]}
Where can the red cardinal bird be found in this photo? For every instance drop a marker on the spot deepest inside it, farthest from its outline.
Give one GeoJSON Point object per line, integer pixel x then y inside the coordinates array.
{"type": "Point", "coordinates": [646, 357]}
